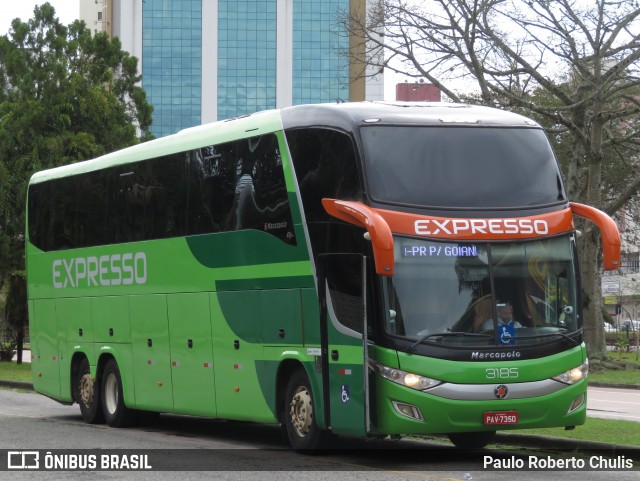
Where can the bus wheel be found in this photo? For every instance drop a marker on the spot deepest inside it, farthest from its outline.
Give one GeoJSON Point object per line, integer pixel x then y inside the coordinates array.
{"type": "Point", "coordinates": [115, 412]}
{"type": "Point", "coordinates": [472, 440]}
{"type": "Point", "coordinates": [87, 394]}
{"type": "Point", "coordinates": [300, 422]}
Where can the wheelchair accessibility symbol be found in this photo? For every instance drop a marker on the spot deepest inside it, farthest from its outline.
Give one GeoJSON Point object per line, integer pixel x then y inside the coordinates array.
{"type": "Point", "coordinates": [344, 395]}
{"type": "Point", "coordinates": [507, 334]}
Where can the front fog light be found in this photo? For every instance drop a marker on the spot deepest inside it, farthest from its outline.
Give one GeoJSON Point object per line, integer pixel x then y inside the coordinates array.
{"type": "Point", "coordinates": [574, 375]}
{"type": "Point", "coordinates": [408, 410]}
{"type": "Point", "coordinates": [577, 402]}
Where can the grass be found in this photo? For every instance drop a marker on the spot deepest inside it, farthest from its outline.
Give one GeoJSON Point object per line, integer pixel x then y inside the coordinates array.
{"type": "Point", "coordinates": [610, 431]}
{"type": "Point", "coordinates": [11, 371]}
{"type": "Point", "coordinates": [616, 377]}
{"type": "Point", "coordinates": [619, 368]}
{"type": "Point", "coordinates": [627, 357]}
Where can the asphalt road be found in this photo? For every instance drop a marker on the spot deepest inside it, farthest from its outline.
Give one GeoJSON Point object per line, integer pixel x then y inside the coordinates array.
{"type": "Point", "coordinates": [613, 403]}
{"type": "Point", "coordinates": [244, 451]}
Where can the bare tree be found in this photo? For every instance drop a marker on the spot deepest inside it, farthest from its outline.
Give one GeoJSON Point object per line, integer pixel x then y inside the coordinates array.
{"type": "Point", "coordinates": [571, 64]}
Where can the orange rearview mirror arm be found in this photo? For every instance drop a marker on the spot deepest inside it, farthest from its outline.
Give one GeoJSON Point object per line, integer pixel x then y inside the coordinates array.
{"type": "Point", "coordinates": [381, 238]}
{"type": "Point", "coordinates": [608, 229]}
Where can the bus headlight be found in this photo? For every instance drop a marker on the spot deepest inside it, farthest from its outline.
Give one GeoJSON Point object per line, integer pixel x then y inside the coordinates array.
{"type": "Point", "coordinates": [574, 375]}
{"type": "Point", "coordinates": [408, 379]}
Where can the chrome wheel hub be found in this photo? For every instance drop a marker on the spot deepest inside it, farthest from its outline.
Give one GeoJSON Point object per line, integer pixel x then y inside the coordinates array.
{"type": "Point", "coordinates": [111, 393]}
{"type": "Point", "coordinates": [301, 411]}
{"type": "Point", "coordinates": [86, 389]}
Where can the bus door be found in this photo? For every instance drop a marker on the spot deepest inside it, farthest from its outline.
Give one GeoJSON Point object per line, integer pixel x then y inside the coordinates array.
{"type": "Point", "coordinates": [343, 335]}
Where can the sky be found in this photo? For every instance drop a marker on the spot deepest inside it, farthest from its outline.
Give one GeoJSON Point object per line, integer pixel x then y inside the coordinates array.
{"type": "Point", "coordinates": [66, 10]}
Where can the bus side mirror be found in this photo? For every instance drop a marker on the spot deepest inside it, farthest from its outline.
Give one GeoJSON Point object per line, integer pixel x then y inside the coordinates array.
{"type": "Point", "coordinates": [608, 230]}
{"type": "Point", "coordinates": [381, 238]}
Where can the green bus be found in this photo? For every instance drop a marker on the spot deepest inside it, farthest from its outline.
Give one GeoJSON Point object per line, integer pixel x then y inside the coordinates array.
{"type": "Point", "coordinates": [331, 268]}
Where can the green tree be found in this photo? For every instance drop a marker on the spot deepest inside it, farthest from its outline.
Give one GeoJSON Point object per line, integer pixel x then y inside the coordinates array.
{"type": "Point", "coordinates": [574, 65]}
{"type": "Point", "coordinates": [65, 96]}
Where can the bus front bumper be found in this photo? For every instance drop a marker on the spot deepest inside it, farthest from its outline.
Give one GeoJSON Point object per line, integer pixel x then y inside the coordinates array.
{"type": "Point", "coordinates": [402, 410]}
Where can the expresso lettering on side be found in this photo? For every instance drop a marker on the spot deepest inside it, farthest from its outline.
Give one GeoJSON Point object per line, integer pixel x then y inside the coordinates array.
{"type": "Point", "coordinates": [106, 270]}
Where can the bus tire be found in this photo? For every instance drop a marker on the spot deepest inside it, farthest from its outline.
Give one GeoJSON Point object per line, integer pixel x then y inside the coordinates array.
{"type": "Point", "coordinates": [475, 440]}
{"type": "Point", "coordinates": [116, 414]}
{"type": "Point", "coordinates": [87, 394]}
{"type": "Point", "coordinates": [299, 417]}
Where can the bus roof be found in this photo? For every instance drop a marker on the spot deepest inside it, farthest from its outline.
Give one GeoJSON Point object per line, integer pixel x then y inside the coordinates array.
{"type": "Point", "coordinates": [191, 138]}
{"type": "Point", "coordinates": [407, 113]}
{"type": "Point", "coordinates": [342, 115]}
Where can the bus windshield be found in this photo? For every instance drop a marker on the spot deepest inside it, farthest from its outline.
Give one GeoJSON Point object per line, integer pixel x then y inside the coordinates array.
{"type": "Point", "coordinates": [483, 293]}
{"type": "Point", "coordinates": [460, 167]}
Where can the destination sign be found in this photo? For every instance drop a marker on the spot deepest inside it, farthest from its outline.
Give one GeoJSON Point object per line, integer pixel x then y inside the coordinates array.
{"type": "Point", "coordinates": [439, 251]}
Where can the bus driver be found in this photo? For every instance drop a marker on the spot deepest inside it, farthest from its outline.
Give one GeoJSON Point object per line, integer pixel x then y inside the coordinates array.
{"type": "Point", "coordinates": [505, 317]}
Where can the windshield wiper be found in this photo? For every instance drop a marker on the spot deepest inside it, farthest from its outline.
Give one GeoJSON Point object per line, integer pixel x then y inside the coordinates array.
{"type": "Point", "coordinates": [445, 334]}
{"type": "Point", "coordinates": [539, 336]}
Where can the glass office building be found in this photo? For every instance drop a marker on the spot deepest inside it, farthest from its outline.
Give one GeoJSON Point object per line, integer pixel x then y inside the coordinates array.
{"type": "Point", "coordinates": [319, 73]}
{"type": "Point", "coordinates": [206, 60]}
{"type": "Point", "coordinates": [172, 62]}
{"type": "Point", "coordinates": [246, 56]}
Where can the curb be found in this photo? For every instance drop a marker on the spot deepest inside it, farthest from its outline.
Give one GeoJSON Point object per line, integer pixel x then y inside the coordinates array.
{"type": "Point", "coordinates": [27, 386]}
{"type": "Point", "coordinates": [614, 385]}
{"type": "Point", "coordinates": [563, 444]}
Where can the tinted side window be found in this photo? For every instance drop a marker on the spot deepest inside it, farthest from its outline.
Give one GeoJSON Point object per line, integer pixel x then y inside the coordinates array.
{"type": "Point", "coordinates": [215, 168]}
{"type": "Point", "coordinates": [198, 219]}
{"type": "Point", "coordinates": [39, 209]}
{"type": "Point", "coordinates": [145, 200]}
{"type": "Point", "coordinates": [344, 279]}
{"type": "Point", "coordinates": [232, 186]}
{"type": "Point", "coordinates": [325, 165]}
{"type": "Point", "coordinates": [63, 227]}
{"type": "Point", "coordinates": [90, 226]}
{"type": "Point", "coordinates": [261, 199]}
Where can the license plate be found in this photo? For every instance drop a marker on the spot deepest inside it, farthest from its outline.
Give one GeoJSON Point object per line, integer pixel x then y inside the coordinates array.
{"type": "Point", "coordinates": [500, 417]}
